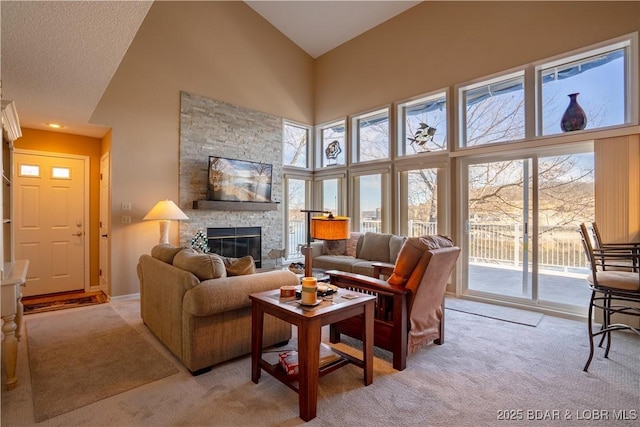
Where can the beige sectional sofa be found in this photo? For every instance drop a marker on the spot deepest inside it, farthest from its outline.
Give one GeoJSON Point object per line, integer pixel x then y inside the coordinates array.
{"type": "Point", "coordinates": [358, 253]}
{"type": "Point", "coordinates": [199, 312]}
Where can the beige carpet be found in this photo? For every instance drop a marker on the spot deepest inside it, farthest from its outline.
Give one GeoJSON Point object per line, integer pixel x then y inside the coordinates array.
{"type": "Point", "coordinates": [80, 356]}
{"type": "Point", "coordinates": [507, 314]}
{"type": "Point", "coordinates": [485, 367]}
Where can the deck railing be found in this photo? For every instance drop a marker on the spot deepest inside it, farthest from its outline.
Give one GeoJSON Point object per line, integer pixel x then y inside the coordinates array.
{"type": "Point", "coordinates": [560, 246]}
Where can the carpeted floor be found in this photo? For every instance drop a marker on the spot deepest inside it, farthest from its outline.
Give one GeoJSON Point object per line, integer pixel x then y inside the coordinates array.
{"type": "Point", "coordinates": [488, 373]}
{"type": "Point", "coordinates": [507, 314]}
{"type": "Point", "coordinates": [81, 356]}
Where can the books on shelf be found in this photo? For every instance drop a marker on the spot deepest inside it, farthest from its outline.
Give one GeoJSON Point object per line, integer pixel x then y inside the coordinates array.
{"type": "Point", "coordinates": [289, 359]}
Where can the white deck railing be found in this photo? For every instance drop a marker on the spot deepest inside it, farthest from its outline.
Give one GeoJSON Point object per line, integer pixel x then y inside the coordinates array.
{"type": "Point", "coordinates": [560, 247]}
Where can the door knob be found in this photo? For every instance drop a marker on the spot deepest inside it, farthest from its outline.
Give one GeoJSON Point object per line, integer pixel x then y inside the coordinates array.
{"type": "Point", "coordinates": [79, 233]}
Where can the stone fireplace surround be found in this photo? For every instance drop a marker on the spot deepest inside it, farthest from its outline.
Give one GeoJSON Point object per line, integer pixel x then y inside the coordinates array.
{"type": "Point", "coordinates": [214, 128]}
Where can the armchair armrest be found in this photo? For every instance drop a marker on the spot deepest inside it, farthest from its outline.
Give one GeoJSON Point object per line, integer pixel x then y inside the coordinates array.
{"type": "Point", "coordinates": [343, 279]}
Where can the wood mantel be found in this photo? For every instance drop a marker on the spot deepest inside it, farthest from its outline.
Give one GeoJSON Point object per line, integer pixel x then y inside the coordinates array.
{"type": "Point", "coordinates": [234, 206]}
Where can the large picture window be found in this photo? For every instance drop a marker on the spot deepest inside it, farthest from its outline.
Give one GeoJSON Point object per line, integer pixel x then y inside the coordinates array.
{"type": "Point", "coordinates": [423, 125]}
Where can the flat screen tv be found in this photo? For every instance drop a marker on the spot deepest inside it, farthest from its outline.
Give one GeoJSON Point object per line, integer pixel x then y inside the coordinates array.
{"type": "Point", "coordinates": [239, 180]}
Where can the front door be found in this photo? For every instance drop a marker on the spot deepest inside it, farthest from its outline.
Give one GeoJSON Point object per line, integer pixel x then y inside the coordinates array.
{"type": "Point", "coordinates": [51, 220]}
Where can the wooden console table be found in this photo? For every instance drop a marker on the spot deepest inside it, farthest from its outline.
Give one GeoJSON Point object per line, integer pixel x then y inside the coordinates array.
{"type": "Point", "coordinates": [309, 322]}
{"type": "Point", "coordinates": [16, 275]}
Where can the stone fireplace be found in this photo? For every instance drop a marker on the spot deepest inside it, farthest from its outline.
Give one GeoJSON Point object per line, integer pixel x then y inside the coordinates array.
{"type": "Point", "coordinates": [236, 242]}
{"type": "Point", "coordinates": [209, 127]}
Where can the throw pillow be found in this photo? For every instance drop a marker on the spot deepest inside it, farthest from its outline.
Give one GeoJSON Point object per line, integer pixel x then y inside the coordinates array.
{"type": "Point", "coordinates": [165, 253]}
{"type": "Point", "coordinates": [241, 266]}
{"type": "Point", "coordinates": [203, 266]}
{"type": "Point", "coordinates": [409, 256]}
{"type": "Point", "coordinates": [334, 247]}
{"type": "Point", "coordinates": [395, 243]}
{"type": "Point", "coordinates": [352, 244]}
{"type": "Point", "coordinates": [375, 247]}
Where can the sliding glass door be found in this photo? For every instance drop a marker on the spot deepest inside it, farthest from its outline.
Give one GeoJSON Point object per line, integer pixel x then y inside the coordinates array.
{"type": "Point", "coordinates": [521, 219]}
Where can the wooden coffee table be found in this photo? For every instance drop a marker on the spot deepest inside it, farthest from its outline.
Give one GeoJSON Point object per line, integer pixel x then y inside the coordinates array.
{"type": "Point", "coordinates": [309, 321]}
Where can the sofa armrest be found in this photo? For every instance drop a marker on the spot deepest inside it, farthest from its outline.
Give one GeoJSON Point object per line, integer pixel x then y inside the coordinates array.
{"type": "Point", "coordinates": [231, 293]}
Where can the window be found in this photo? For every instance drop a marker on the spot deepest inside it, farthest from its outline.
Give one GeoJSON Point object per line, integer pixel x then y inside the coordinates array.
{"type": "Point", "coordinates": [332, 138]}
{"type": "Point", "coordinates": [296, 143]}
{"type": "Point", "coordinates": [599, 77]}
{"type": "Point", "coordinates": [296, 201]}
{"type": "Point", "coordinates": [330, 195]}
{"type": "Point", "coordinates": [29, 170]}
{"type": "Point", "coordinates": [423, 125]}
{"type": "Point", "coordinates": [60, 172]}
{"type": "Point", "coordinates": [372, 136]}
{"type": "Point", "coordinates": [493, 111]}
{"type": "Point", "coordinates": [422, 202]}
{"type": "Point", "coordinates": [370, 202]}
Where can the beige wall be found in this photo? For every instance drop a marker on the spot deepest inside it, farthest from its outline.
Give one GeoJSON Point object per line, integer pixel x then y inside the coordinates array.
{"type": "Point", "coordinates": [437, 45]}
{"type": "Point", "coordinates": [58, 142]}
{"type": "Point", "coordinates": [221, 50]}
{"type": "Point", "coordinates": [225, 51]}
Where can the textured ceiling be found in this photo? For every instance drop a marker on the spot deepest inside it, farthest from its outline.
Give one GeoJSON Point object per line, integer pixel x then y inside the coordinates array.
{"type": "Point", "coordinates": [58, 57]}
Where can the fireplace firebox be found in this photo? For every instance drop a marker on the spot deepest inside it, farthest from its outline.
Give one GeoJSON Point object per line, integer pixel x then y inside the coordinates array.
{"type": "Point", "coordinates": [236, 242]}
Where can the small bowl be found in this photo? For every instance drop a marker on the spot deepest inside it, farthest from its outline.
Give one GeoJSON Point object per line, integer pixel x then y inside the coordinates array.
{"type": "Point", "coordinates": [287, 291]}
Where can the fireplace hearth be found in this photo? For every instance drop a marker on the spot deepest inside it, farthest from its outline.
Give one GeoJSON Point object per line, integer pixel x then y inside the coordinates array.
{"type": "Point", "coordinates": [236, 242]}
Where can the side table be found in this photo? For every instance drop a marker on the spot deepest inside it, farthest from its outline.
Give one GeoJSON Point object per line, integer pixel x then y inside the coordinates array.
{"type": "Point", "coordinates": [309, 322]}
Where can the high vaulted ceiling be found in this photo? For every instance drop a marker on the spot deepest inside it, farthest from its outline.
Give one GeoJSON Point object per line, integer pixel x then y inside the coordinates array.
{"type": "Point", "coordinates": [59, 57]}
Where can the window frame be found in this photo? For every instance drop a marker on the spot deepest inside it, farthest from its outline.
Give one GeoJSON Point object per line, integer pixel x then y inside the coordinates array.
{"type": "Point", "coordinates": [532, 99]}
{"type": "Point", "coordinates": [310, 144]}
{"type": "Point", "coordinates": [355, 134]}
{"type": "Point", "coordinates": [629, 43]}
{"type": "Point", "coordinates": [400, 134]}
{"type": "Point", "coordinates": [318, 160]}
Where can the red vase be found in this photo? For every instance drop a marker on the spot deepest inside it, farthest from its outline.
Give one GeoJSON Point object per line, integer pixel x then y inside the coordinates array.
{"type": "Point", "coordinates": [574, 117]}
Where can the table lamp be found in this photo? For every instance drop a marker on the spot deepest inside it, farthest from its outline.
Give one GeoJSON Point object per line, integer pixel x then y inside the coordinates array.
{"type": "Point", "coordinates": [323, 228]}
{"type": "Point", "coordinates": [165, 211]}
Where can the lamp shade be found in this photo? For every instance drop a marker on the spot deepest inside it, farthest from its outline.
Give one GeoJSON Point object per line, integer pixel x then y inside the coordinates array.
{"type": "Point", "coordinates": [165, 210]}
{"type": "Point", "coordinates": [330, 228]}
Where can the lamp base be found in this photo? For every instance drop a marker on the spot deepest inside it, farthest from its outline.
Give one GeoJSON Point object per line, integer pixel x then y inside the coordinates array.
{"type": "Point", "coordinates": [164, 231]}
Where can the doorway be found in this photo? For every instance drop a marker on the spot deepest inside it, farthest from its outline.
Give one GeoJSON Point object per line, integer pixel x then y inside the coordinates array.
{"type": "Point", "coordinates": [51, 220]}
{"type": "Point", "coordinates": [520, 235]}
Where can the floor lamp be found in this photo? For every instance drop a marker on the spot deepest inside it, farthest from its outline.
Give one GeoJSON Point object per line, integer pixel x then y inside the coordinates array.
{"type": "Point", "coordinates": [165, 211]}
{"type": "Point", "coordinates": [323, 228]}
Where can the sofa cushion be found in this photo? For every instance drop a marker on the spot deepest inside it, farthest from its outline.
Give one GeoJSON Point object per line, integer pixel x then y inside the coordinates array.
{"type": "Point", "coordinates": [363, 267]}
{"type": "Point", "coordinates": [334, 247]}
{"type": "Point", "coordinates": [334, 262]}
{"type": "Point", "coordinates": [241, 266]}
{"type": "Point", "coordinates": [375, 247]}
{"type": "Point", "coordinates": [203, 266]}
{"type": "Point", "coordinates": [409, 256]}
{"type": "Point", "coordinates": [352, 244]}
{"type": "Point", "coordinates": [165, 253]}
{"type": "Point", "coordinates": [395, 243]}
